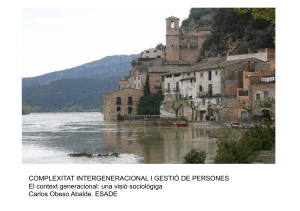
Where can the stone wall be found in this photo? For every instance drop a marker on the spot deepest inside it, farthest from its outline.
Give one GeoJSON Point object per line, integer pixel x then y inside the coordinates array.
{"type": "Point", "coordinates": [154, 80]}
{"type": "Point", "coordinates": [230, 113]}
{"type": "Point", "coordinates": [110, 106]}
{"type": "Point", "coordinates": [261, 89]}
{"type": "Point", "coordinates": [188, 54]}
{"type": "Point", "coordinates": [142, 66]}
{"type": "Point", "coordinates": [172, 48]}
{"type": "Point", "coordinates": [263, 56]}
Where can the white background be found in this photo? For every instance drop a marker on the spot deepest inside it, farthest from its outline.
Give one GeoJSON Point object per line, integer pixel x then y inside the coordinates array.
{"type": "Point", "coordinates": [251, 187]}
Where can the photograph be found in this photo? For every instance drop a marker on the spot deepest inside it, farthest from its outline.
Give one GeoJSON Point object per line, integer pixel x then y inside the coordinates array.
{"type": "Point", "coordinates": [187, 85]}
{"type": "Point", "coordinates": [149, 105]}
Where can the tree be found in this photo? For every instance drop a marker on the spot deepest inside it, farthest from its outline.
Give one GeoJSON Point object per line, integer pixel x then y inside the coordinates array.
{"type": "Point", "coordinates": [35, 109]}
{"type": "Point", "coordinates": [259, 13]}
{"type": "Point", "coordinates": [76, 108]}
{"type": "Point", "coordinates": [160, 46]}
{"type": "Point", "coordinates": [194, 105]}
{"type": "Point", "coordinates": [25, 109]}
{"type": "Point", "coordinates": [249, 106]}
{"type": "Point", "coordinates": [176, 105]}
{"type": "Point", "coordinates": [147, 87]}
{"type": "Point", "coordinates": [267, 102]}
{"type": "Point", "coordinates": [217, 108]}
{"type": "Point", "coordinates": [65, 109]}
{"type": "Point", "coordinates": [195, 156]}
{"type": "Point", "coordinates": [267, 14]}
{"type": "Point", "coordinates": [150, 105]}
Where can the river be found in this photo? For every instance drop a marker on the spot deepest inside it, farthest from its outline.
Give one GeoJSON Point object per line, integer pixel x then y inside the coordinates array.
{"type": "Point", "coordinates": [48, 138]}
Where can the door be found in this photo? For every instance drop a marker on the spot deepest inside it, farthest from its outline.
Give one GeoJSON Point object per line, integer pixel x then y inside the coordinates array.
{"type": "Point", "coordinates": [244, 115]}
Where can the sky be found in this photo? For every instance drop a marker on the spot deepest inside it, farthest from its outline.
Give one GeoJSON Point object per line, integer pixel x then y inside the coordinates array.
{"type": "Point", "coordinates": [55, 39]}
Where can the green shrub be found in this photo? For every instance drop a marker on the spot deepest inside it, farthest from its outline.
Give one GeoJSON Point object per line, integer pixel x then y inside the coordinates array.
{"type": "Point", "coordinates": [264, 133]}
{"type": "Point", "coordinates": [120, 117]}
{"type": "Point", "coordinates": [231, 150]}
{"type": "Point", "coordinates": [195, 156]}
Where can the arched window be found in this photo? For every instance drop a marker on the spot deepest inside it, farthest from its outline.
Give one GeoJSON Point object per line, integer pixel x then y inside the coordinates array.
{"type": "Point", "coordinates": [172, 24]}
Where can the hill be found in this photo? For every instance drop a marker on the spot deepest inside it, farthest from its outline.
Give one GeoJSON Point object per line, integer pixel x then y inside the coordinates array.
{"type": "Point", "coordinates": [105, 68]}
{"type": "Point", "coordinates": [85, 92]}
{"type": "Point", "coordinates": [83, 85]}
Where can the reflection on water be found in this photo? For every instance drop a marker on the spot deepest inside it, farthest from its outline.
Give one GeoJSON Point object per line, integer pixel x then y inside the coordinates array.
{"type": "Point", "coordinates": [50, 137]}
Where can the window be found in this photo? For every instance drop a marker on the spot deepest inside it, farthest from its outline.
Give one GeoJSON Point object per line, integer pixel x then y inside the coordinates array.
{"type": "Point", "coordinates": [209, 89]}
{"type": "Point", "coordinates": [201, 74]}
{"type": "Point", "coordinates": [203, 101]}
{"type": "Point", "coordinates": [119, 101]}
{"type": "Point", "coordinates": [129, 100]}
{"type": "Point", "coordinates": [257, 96]}
{"type": "Point", "coordinates": [209, 75]}
{"type": "Point", "coordinates": [217, 101]}
{"type": "Point", "coordinates": [158, 56]}
{"type": "Point", "coordinates": [129, 110]}
{"type": "Point", "coordinates": [191, 80]}
{"type": "Point", "coordinates": [139, 78]}
{"type": "Point", "coordinates": [147, 51]}
{"type": "Point", "coordinates": [216, 72]}
{"type": "Point", "coordinates": [172, 24]}
{"type": "Point", "coordinates": [118, 108]}
{"type": "Point", "coordinates": [157, 85]}
{"type": "Point", "coordinates": [177, 85]}
{"type": "Point", "coordinates": [134, 78]}
{"type": "Point", "coordinates": [139, 85]}
{"type": "Point", "coordinates": [266, 94]}
{"type": "Point", "coordinates": [188, 74]}
{"type": "Point", "coordinates": [155, 51]}
{"type": "Point", "coordinates": [200, 88]}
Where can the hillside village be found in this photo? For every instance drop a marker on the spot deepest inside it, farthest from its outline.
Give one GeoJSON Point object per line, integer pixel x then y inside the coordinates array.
{"type": "Point", "coordinates": [227, 88]}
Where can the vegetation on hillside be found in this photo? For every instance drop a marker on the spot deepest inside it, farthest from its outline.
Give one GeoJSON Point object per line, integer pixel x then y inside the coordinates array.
{"type": "Point", "coordinates": [84, 92]}
{"type": "Point", "coordinates": [237, 32]}
{"type": "Point", "coordinates": [198, 17]}
{"type": "Point", "coordinates": [83, 85]}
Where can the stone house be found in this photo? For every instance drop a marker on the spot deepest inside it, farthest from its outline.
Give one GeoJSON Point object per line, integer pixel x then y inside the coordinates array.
{"type": "Point", "coordinates": [153, 53]}
{"type": "Point", "coordinates": [121, 102]}
{"type": "Point", "coordinates": [211, 82]}
{"type": "Point", "coordinates": [133, 82]}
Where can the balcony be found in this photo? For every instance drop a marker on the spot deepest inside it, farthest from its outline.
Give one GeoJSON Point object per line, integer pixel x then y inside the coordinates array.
{"type": "Point", "coordinates": [207, 94]}
{"type": "Point", "coordinates": [157, 86]}
{"type": "Point", "coordinates": [118, 103]}
{"type": "Point", "coordinates": [243, 93]}
{"type": "Point", "coordinates": [175, 90]}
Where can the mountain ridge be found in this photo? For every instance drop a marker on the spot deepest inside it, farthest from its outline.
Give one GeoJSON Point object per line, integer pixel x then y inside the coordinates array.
{"type": "Point", "coordinates": [88, 83]}
{"type": "Point", "coordinates": [100, 69]}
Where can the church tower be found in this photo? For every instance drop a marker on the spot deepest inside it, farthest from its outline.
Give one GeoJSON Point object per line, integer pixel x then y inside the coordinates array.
{"type": "Point", "coordinates": [172, 39]}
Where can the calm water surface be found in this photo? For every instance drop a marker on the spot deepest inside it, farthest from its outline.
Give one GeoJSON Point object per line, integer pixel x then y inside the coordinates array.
{"type": "Point", "coordinates": [50, 137]}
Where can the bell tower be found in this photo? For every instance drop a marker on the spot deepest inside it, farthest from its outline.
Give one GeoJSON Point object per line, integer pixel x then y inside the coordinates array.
{"type": "Point", "coordinates": [172, 39]}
